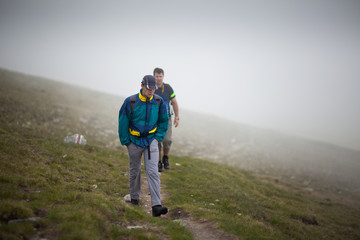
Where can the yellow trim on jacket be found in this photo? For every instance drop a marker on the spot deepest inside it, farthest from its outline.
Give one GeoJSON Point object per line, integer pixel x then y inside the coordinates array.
{"type": "Point", "coordinates": [143, 98]}
{"type": "Point", "coordinates": [136, 133]}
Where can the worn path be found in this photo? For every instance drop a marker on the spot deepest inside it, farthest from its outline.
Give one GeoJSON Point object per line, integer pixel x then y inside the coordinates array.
{"type": "Point", "coordinates": [201, 229]}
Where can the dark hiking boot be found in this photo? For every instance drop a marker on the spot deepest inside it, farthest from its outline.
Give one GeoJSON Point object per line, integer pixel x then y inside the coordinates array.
{"type": "Point", "coordinates": [166, 162]}
{"type": "Point", "coordinates": [158, 210]}
{"type": "Point", "coordinates": [160, 166]}
{"type": "Point", "coordinates": [135, 202]}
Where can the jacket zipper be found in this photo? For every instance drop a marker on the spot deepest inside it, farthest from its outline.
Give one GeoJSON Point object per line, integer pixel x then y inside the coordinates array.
{"type": "Point", "coordinates": [146, 126]}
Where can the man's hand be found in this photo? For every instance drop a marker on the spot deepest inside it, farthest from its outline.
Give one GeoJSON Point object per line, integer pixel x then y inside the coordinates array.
{"type": "Point", "coordinates": [176, 110]}
{"type": "Point", "coordinates": [176, 121]}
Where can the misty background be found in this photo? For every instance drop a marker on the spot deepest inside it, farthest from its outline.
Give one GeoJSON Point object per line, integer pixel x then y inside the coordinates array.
{"type": "Point", "coordinates": [290, 66]}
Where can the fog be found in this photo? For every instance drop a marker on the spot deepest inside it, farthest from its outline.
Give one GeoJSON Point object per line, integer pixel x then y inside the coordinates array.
{"type": "Point", "coordinates": [290, 66]}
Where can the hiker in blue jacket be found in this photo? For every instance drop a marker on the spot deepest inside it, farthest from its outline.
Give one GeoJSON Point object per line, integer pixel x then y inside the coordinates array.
{"type": "Point", "coordinates": [167, 93]}
{"type": "Point", "coordinates": [143, 122]}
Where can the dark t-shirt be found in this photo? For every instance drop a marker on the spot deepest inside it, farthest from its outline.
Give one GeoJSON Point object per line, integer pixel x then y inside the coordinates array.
{"type": "Point", "coordinates": [167, 93]}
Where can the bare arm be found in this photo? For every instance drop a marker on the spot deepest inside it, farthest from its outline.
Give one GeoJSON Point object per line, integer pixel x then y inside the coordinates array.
{"type": "Point", "coordinates": [176, 110]}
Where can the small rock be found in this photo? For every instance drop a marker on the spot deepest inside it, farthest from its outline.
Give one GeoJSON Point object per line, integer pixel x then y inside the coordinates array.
{"type": "Point", "coordinates": [134, 227]}
{"type": "Point", "coordinates": [75, 139]}
{"type": "Point", "coordinates": [31, 219]}
{"type": "Point", "coordinates": [127, 198]}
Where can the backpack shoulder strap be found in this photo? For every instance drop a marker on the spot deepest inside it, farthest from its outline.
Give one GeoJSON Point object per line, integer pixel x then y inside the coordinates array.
{"type": "Point", "coordinates": [158, 100]}
{"type": "Point", "coordinates": [132, 104]}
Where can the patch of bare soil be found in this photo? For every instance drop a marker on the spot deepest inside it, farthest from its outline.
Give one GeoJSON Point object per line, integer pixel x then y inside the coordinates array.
{"type": "Point", "coordinates": [201, 229]}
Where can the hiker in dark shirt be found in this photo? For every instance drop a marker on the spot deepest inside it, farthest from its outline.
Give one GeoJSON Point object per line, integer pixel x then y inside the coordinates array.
{"type": "Point", "coordinates": [167, 93]}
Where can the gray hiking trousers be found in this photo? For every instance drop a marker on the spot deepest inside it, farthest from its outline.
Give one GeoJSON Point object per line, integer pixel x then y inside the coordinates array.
{"type": "Point", "coordinates": [151, 168]}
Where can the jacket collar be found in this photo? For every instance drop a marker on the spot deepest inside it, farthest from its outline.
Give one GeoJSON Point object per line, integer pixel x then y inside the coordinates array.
{"type": "Point", "coordinates": [143, 98]}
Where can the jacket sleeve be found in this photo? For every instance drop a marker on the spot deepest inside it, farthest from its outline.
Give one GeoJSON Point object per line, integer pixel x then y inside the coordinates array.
{"type": "Point", "coordinates": [163, 122]}
{"type": "Point", "coordinates": [124, 120]}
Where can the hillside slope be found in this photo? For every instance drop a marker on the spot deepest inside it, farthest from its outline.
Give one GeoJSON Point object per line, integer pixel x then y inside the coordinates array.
{"type": "Point", "coordinates": [316, 164]}
{"type": "Point", "coordinates": [54, 190]}
{"type": "Point", "coordinates": [292, 158]}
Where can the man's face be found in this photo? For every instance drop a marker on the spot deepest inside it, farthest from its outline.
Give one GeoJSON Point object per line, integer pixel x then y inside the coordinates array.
{"type": "Point", "coordinates": [159, 77]}
{"type": "Point", "coordinates": [147, 92]}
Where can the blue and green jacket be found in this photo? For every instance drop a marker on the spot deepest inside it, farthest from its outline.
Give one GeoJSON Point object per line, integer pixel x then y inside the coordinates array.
{"type": "Point", "coordinates": [145, 120]}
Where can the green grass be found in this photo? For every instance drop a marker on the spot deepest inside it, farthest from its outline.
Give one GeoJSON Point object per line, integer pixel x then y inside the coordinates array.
{"type": "Point", "coordinates": [252, 208]}
{"type": "Point", "coordinates": [75, 192]}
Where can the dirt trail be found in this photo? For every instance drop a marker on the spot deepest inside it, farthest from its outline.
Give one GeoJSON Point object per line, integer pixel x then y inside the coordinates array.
{"type": "Point", "coordinates": [201, 229]}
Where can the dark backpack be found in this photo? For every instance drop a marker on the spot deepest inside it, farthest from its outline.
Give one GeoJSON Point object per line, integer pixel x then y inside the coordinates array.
{"type": "Point", "coordinates": [133, 101]}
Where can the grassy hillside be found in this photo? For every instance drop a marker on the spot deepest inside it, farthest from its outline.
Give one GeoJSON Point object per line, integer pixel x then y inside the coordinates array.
{"type": "Point", "coordinates": [53, 190]}
{"type": "Point", "coordinates": [316, 164]}
{"type": "Point", "coordinates": [256, 207]}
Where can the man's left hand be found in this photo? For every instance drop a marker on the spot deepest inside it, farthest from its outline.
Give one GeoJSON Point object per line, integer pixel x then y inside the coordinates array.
{"type": "Point", "coordinates": [176, 122]}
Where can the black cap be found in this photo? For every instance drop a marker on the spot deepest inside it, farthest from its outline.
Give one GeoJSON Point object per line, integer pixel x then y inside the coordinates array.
{"type": "Point", "coordinates": [149, 82]}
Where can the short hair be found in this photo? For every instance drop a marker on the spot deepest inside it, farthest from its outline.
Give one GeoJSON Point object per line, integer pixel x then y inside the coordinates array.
{"type": "Point", "coordinates": [159, 71]}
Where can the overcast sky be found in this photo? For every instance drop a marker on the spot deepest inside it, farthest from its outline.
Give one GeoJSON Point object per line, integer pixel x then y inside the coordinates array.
{"type": "Point", "coordinates": [292, 66]}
